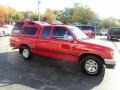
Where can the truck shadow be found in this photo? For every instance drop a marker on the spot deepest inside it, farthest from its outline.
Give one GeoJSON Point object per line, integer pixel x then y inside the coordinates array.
{"type": "Point", "coordinates": [44, 73]}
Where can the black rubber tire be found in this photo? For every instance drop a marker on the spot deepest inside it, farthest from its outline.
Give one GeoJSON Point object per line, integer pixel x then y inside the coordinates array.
{"type": "Point", "coordinates": [111, 38]}
{"type": "Point", "coordinates": [108, 37]}
{"type": "Point", "coordinates": [27, 58]}
{"type": "Point", "coordinates": [3, 34]}
{"type": "Point", "coordinates": [95, 59]}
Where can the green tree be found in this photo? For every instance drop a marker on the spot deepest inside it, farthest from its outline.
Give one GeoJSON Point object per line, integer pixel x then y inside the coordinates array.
{"type": "Point", "coordinates": [49, 16]}
{"type": "Point", "coordinates": [107, 23]}
{"type": "Point", "coordinates": [84, 13]}
{"type": "Point", "coordinates": [18, 16]}
{"type": "Point", "coordinates": [30, 15]}
{"type": "Point", "coordinates": [64, 15]}
{"type": "Point", "coordinates": [78, 13]}
{"type": "Point", "coordinates": [3, 14]}
{"type": "Point", "coordinates": [34, 16]}
{"type": "Point", "coordinates": [11, 15]}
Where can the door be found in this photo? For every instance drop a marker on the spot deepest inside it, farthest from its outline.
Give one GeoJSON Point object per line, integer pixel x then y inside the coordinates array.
{"type": "Point", "coordinates": [60, 42]}
{"type": "Point", "coordinates": [53, 43]}
{"type": "Point", "coordinates": [44, 42]}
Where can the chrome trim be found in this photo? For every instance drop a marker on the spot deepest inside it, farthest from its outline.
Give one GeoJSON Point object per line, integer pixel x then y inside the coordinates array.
{"type": "Point", "coordinates": [110, 61]}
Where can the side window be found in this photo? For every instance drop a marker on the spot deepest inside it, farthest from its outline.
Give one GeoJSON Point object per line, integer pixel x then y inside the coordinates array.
{"type": "Point", "coordinates": [60, 33]}
{"type": "Point", "coordinates": [46, 32]}
{"type": "Point", "coordinates": [29, 30]}
{"type": "Point", "coordinates": [18, 26]}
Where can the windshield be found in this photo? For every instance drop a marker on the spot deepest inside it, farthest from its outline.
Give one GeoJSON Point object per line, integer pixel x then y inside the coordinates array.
{"type": "Point", "coordinates": [77, 33]}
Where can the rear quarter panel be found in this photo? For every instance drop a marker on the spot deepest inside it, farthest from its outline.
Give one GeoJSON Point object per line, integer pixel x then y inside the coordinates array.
{"type": "Point", "coordinates": [14, 41]}
{"type": "Point", "coordinates": [28, 40]}
{"type": "Point", "coordinates": [17, 39]}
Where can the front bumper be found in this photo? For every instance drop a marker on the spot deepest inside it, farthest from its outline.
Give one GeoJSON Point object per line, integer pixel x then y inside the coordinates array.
{"type": "Point", "coordinates": [110, 63]}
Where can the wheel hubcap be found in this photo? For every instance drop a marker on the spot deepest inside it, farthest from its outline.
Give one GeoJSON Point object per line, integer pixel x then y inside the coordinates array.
{"type": "Point", "coordinates": [91, 66]}
{"type": "Point", "coordinates": [26, 53]}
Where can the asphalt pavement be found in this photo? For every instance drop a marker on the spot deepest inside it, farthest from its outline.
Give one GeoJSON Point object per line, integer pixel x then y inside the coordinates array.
{"type": "Point", "coordinates": [43, 73]}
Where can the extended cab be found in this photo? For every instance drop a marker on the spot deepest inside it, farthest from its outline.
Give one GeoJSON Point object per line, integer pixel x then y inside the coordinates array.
{"type": "Point", "coordinates": [62, 42]}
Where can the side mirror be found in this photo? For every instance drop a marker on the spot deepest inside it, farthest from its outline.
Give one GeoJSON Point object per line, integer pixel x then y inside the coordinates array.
{"type": "Point", "coordinates": [70, 38]}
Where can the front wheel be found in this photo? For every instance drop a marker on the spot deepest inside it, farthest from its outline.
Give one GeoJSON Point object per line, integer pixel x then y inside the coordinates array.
{"type": "Point", "coordinates": [91, 65]}
{"type": "Point", "coordinates": [26, 53]}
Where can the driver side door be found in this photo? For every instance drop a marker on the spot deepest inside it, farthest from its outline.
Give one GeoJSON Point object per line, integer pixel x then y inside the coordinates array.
{"type": "Point", "coordinates": [60, 42]}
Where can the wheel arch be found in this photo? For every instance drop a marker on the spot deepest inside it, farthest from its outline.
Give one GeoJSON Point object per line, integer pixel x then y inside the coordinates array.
{"type": "Point", "coordinates": [90, 54]}
{"type": "Point", "coordinates": [21, 47]}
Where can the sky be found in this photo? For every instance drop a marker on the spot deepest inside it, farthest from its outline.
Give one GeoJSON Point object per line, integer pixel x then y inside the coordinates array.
{"type": "Point", "coordinates": [104, 8]}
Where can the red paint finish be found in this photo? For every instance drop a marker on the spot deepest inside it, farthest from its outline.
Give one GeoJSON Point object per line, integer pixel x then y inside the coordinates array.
{"type": "Point", "coordinates": [57, 48]}
{"type": "Point", "coordinates": [56, 55]}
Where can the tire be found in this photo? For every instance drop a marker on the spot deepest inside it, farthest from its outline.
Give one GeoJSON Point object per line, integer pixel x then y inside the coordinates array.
{"type": "Point", "coordinates": [3, 34]}
{"type": "Point", "coordinates": [91, 65]}
{"type": "Point", "coordinates": [111, 38]}
{"type": "Point", "coordinates": [108, 37]}
{"type": "Point", "coordinates": [26, 53]}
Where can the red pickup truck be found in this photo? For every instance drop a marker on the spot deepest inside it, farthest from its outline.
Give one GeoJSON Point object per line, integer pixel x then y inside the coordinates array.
{"type": "Point", "coordinates": [63, 42]}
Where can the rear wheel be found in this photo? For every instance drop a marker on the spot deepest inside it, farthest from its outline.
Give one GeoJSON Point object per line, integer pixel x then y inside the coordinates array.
{"type": "Point", "coordinates": [26, 53]}
{"type": "Point", "coordinates": [91, 65]}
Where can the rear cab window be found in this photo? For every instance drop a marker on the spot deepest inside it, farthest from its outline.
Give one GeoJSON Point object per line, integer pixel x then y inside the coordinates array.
{"type": "Point", "coordinates": [29, 30]}
{"type": "Point", "coordinates": [18, 26]}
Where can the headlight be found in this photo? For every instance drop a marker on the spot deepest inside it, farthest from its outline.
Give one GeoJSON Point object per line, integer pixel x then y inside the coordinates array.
{"type": "Point", "coordinates": [114, 54]}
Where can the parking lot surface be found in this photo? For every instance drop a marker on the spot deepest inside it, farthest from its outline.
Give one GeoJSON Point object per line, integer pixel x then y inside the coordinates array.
{"type": "Point", "coordinates": [50, 74]}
